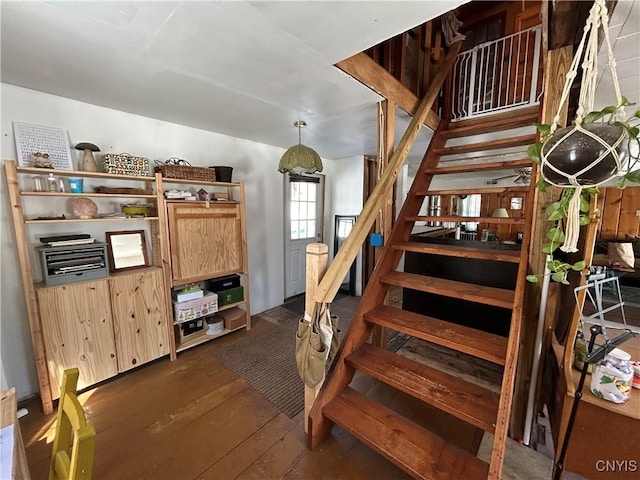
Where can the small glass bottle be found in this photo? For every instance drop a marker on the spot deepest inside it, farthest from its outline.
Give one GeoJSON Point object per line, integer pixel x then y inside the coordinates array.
{"type": "Point", "coordinates": [52, 184]}
{"type": "Point", "coordinates": [61, 185]}
{"type": "Point", "coordinates": [38, 184]}
{"type": "Point", "coordinates": [612, 377]}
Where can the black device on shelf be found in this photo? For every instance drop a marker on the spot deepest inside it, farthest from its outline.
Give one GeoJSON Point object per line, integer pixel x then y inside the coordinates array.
{"type": "Point", "coordinates": [77, 263]}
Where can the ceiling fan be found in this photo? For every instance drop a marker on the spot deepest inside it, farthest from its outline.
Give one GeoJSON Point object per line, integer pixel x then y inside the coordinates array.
{"type": "Point", "coordinates": [521, 176]}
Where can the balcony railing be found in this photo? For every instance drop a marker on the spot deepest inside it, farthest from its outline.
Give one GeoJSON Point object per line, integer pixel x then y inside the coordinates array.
{"type": "Point", "coordinates": [497, 75]}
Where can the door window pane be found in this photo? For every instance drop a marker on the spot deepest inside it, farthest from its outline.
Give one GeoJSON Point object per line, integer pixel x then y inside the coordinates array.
{"type": "Point", "coordinates": [303, 210]}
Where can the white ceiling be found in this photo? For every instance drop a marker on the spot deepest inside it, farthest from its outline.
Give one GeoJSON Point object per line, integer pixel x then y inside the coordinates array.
{"type": "Point", "coordinates": [241, 68]}
{"type": "Point", "coordinates": [245, 69]}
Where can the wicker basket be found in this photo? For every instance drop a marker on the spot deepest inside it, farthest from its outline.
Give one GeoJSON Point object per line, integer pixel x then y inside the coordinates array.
{"type": "Point", "coordinates": [186, 172]}
{"type": "Point", "coordinates": [125, 164]}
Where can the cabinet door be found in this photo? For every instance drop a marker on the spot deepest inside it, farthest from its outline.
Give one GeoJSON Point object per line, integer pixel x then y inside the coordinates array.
{"type": "Point", "coordinates": [138, 306]}
{"type": "Point", "coordinates": [205, 241]}
{"type": "Point", "coordinates": [78, 332]}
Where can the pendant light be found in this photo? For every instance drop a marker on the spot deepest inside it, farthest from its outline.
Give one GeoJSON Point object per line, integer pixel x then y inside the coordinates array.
{"type": "Point", "coordinates": [300, 158]}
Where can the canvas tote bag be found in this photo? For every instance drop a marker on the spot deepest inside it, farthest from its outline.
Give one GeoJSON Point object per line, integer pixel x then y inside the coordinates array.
{"type": "Point", "coordinates": [316, 344]}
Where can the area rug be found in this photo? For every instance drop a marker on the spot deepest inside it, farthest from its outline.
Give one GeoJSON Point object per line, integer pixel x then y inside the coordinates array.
{"type": "Point", "coordinates": [266, 360]}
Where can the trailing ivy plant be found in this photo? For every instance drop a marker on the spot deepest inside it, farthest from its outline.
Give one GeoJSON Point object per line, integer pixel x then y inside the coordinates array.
{"type": "Point", "coordinates": [557, 211]}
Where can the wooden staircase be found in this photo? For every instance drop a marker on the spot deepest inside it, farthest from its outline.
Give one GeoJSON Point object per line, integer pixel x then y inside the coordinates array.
{"type": "Point", "coordinates": [413, 448]}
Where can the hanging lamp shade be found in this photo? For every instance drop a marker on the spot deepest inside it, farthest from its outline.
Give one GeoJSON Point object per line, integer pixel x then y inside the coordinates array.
{"type": "Point", "coordinates": [300, 158]}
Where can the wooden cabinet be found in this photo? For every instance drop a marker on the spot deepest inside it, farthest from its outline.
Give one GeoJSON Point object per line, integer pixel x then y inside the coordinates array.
{"type": "Point", "coordinates": [111, 325]}
{"type": "Point", "coordinates": [138, 308]}
{"type": "Point", "coordinates": [205, 241]}
{"type": "Point", "coordinates": [78, 332]}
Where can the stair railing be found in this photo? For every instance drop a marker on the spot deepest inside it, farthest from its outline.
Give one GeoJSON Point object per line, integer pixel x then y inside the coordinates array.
{"type": "Point", "coordinates": [497, 75]}
{"type": "Point", "coordinates": [331, 281]}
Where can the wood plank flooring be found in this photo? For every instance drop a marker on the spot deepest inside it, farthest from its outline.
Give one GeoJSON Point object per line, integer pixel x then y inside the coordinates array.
{"type": "Point", "coordinates": [195, 419]}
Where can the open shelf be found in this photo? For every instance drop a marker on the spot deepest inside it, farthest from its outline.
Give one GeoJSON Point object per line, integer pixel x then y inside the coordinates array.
{"type": "Point", "coordinates": [205, 338]}
{"type": "Point", "coordinates": [79, 173]}
{"type": "Point", "coordinates": [75, 220]}
{"type": "Point", "coordinates": [199, 182]}
{"type": "Point", "coordinates": [88, 194]}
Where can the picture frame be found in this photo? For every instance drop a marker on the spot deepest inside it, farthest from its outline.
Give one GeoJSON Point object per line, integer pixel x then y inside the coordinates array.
{"type": "Point", "coordinates": [127, 250]}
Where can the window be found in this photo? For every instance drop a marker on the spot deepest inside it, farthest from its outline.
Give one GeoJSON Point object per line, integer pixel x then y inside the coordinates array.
{"type": "Point", "coordinates": [303, 207]}
{"type": "Point", "coordinates": [471, 208]}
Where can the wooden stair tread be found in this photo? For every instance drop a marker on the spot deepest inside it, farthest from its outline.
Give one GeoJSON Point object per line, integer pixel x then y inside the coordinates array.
{"type": "Point", "coordinates": [458, 219]}
{"type": "Point", "coordinates": [492, 123]}
{"type": "Point", "coordinates": [417, 451]}
{"type": "Point", "coordinates": [512, 256]}
{"type": "Point", "coordinates": [480, 167]}
{"type": "Point", "coordinates": [471, 341]}
{"type": "Point", "coordinates": [490, 145]}
{"type": "Point", "coordinates": [498, 297]}
{"type": "Point", "coordinates": [464, 400]}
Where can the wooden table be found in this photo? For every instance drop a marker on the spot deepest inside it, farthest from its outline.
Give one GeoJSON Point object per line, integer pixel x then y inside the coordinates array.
{"type": "Point", "coordinates": [8, 416]}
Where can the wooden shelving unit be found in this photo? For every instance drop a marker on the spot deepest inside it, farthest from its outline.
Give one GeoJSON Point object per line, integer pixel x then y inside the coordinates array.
{"type": "Point", "coordinates": [195, 256]}
{"type": "Point", "coordinates": [125, 340]}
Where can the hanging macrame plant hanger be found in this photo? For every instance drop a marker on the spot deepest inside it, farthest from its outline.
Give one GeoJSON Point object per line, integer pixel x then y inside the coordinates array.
{"type": "Point", "coordinates": [584, 154]}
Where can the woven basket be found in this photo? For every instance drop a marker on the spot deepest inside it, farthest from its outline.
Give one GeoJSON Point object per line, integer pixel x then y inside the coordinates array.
{"type": "Point", "coordinates": [125, 164]}
{"type": "Point", "coordinates": [187, 172]}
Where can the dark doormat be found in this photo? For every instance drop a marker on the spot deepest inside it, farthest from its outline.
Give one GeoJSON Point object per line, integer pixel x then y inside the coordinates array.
{"type": "Point", "coordinates": [296, 305]}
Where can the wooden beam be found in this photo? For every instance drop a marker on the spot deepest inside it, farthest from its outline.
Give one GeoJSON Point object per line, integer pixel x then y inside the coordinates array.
{"type": "Point", "coordinates": [342, 262]}
{"type": "Point", "coordinates": [317, 256]}
{"type": "Point", "coordinates": [365, 70]}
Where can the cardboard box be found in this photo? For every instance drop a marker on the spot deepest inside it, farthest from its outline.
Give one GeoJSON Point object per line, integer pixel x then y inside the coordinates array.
{"type": "Point", "coordinates": [234, 318]}
{"type": "Point", "coordinates": [190, 330]}
{"type": "Point", "coordinates": [199, 307]}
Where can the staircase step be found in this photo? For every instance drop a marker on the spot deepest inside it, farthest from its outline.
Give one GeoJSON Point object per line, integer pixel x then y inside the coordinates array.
{"type": "Point", "coordinates": [458, 219]}
{"type": "Point", "coordinates": [471, 341]}
{"type": "Point", "coordinates": [498, 297]}
{"type": "Point", "coordinates": [492, 123]}
{"type": "Point", "coordinates": [512, 256]}
{"type": "Point", "coordinates": [480, 167]}
{"type": "Point", "coordinates": [471, 191]}
{"type": "Point", "coordinates": [490, 145]}
{"type": "Point", "coordinates": [417, 451]}
{"type": "Point", "coordinates": [466, 401]}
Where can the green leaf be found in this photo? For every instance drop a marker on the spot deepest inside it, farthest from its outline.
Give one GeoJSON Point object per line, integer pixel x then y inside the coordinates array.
{"type": "Point", "coordinates": [543, 128]}
{"type": "Point", "coordinates": [584, 220]}
{"type": "Point", "coordinates": [557, 215]}
{"type": "Point", "coordinates": [542, 185]}
{"type": "Point", "coordinates": [584, 204]}
{"type": "Point", "coordinates": [633, 176]}
{"type": "Point", "coordinates": [592, 117]}
{"type": "Point", "coordinates": [624, 102]}
{"type": "Point", "coordinates": [532, 278]}
{"type": "Point", "coordinates": [559, 276]}
{"type": "Point", "coordinates": [579, 266]}
{"type": "Point", "coordinates": [632, 132]}
{"type": "Point", "coordinates": [608, 110]}
{"type": "Point", "coordinates": [548, 249]}
{"type": "Point", "coordinates": [565, 281]}
{"type": "Point", "coordinates": [555, 234]}
{"type": "Point", "coordinates": [534, 151]}
{"type": "Point", "coordinates": [636, 113]}
{"type": "Point", "coordinates": [553, 207]}
{"type": "Point", "coordinates": [596, 212]}
{"type": "Point", "coordinates": [590, 191]}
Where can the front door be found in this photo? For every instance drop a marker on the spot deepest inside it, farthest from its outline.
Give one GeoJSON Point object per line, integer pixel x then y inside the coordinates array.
{"type": "Point", "coordinates": [304, 207]}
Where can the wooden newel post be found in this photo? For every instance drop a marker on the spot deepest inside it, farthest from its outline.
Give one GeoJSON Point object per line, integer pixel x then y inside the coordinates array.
{"type": "Point", "coordinates": [317, 257]}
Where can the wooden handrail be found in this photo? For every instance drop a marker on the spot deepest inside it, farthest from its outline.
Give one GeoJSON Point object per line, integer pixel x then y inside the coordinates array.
{"type": "Point", "coordinates": [336, 272]}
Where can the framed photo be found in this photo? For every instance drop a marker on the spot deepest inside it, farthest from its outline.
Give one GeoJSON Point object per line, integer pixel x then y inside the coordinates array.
{"type": "Point", "coordinates": [127, 250]}
{"type": "Point", "coordinates": [52, 141]}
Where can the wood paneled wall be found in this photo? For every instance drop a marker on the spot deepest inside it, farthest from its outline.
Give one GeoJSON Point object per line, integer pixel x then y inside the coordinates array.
{"type": "Point", "coordinates": [492, 201]}
{"type": "Point", "coordinates": [618, 212]}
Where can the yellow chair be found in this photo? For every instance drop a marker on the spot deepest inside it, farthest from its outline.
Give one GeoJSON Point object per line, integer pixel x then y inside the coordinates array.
{"type": "Point", "coordinates": [74, 442]}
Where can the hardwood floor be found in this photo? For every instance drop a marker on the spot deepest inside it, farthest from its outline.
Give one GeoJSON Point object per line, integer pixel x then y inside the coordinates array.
{"type": "Point", "coordinates": [194, 418]}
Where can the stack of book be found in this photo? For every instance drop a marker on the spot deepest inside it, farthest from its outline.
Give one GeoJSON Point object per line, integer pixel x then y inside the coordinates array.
{"type": "Point", "coordinates": [66, 240]}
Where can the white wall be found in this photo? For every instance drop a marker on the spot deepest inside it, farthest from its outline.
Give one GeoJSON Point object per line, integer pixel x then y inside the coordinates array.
{"type": "Point", "coordinates": [116, 131]}
{"type": "Point", "coordinates": [344, 197]}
